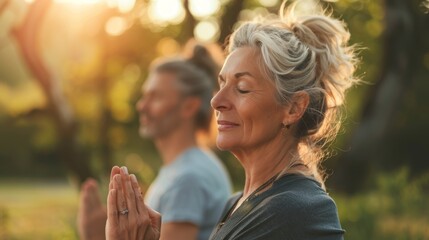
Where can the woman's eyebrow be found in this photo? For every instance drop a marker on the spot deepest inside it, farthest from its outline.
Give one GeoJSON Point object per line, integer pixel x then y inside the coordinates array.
{"type": "Point", "coordinates": [241, 74]}
{"type": "Point", "coordinates": [237, 75]}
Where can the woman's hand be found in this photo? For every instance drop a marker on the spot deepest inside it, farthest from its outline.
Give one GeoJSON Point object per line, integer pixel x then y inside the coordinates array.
{"type": "Point", "coordinates": [128, 218]}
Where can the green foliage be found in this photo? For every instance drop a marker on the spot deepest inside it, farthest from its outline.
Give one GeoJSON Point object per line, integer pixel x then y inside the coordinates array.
{"type": "Point", "coordinates": [37, 210]}
{"type": "Point", "coordinates": [100, 76]}
{"type": "Point", "coordinates": [395, 209]}
{"type": "Point", "coordinates": [4, 222]}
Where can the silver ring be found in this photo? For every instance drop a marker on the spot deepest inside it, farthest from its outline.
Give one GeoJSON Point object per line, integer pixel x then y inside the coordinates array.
{"type": "Point", "coordinates": [124, 212]}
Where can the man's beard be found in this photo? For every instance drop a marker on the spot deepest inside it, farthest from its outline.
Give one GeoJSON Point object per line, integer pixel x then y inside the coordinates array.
{"type": "Point", "coordinates": [158, 128]}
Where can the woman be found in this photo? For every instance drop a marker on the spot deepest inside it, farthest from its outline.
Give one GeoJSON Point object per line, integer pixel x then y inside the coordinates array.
{"type": "Point", "coordinates": [280, 91]}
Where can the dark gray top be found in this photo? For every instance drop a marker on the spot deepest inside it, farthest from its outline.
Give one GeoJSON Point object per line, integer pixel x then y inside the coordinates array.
{"type": "Point", "coordinates": [295, 207]}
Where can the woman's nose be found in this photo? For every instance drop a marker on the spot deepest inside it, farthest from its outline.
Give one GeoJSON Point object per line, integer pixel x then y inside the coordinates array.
{"type": "Point", "coordinates": [219, 101]}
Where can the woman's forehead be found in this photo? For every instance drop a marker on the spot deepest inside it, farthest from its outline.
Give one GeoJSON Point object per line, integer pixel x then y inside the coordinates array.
{"type": "Point", "coordinates": [241, 59]}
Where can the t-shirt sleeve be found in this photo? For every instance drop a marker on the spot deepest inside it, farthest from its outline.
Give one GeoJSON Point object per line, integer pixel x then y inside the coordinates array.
{"type": "Point", "coordinates": [184, 202]}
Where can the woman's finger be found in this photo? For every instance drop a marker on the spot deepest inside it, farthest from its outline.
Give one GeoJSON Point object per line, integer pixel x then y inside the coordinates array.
{"type": "Point", "coordinates": [115, 170]}
{"type": "Point", "coordinates": [149, 221]}
{"type": "Point", "coordinates": [112, 210]}
{"type": "Point", "coordinates": [131, 201]}
{"type": "Point", "coordinates": [138, 194]}
{"type": "Point", "coordinates": [124, 175]}
{"type": "Point", "coordinates": [121, 202]}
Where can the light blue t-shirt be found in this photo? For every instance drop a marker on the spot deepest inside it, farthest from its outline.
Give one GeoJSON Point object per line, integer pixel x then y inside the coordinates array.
{"type": "Point", "coordinates": [193, 188]}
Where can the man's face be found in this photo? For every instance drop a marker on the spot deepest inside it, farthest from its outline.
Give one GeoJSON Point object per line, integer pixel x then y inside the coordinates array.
{"type": "Point", "coordinates": [159, 106]}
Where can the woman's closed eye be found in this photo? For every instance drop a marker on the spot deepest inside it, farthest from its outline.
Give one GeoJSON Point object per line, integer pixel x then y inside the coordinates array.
{"type": "Point", "coordinates": [242, 91]}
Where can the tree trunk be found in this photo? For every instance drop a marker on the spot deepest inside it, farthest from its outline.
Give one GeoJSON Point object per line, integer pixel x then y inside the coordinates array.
{"type": "Point", "coordinates": [397, 72]}
{"type": "Point", "coordinates": [188, 24]}
{"type": "Point", "coordinates": [27, 36]}
{"type": "Point", "coordinates": [229, 18]}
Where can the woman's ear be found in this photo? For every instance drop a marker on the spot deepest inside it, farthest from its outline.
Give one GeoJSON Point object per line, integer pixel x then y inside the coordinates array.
{"type": "Point", "coordinates": [190, 107]}
{"type": "Point", "coordinates": [296, 107]}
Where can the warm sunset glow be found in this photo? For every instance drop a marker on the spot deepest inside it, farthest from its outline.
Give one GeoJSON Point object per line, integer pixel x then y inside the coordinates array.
{"type": "Point", "coordinates": [123, 6]}
{"type": "Point", "coordinates": [206, 31]}
{"type": "Point", "coordinates": [167, 47]}
{"type": "Point", "coordinates": [199, 9]}
{"type": "Point", "coordinates": [77, 2]}
{"type": "Point", "coordinates": [307, 6]}
{"type": "Point", "coordinates": [115, 26]}
{"type": "Point", "coordinates": [268, 3]}
{"type": "Point", "coordinates": [170, 11]}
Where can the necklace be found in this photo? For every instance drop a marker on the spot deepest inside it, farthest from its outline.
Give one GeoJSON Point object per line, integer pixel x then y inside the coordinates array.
{"type": "Point", "coordinates": [270, 181]}
{"type": "Point", "coordinates": [262, 187]}
{"type": "Point", "coordinates": [251, 196]}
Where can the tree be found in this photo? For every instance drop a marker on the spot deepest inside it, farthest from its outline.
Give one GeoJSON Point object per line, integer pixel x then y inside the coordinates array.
{"type": "Point", "coordinates": [27, 38]}
{"type": "Point", "coordinates": [374, 143]}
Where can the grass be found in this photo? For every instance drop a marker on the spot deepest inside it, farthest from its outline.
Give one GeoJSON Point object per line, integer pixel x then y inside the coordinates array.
{"type": "Point", "coordinates": [395, 209]}
{"type": "Point", "coordinates": [37, 210]}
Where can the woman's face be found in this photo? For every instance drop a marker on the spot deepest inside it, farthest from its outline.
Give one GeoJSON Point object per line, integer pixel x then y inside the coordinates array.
{"type": "Point", "coordinates": [247, 112]}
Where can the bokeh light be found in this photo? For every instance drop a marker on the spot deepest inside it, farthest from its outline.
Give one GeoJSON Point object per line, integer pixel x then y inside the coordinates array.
{"type": "Point", "coordinates": [207, 31]}
{"type": "Point", "coordinates": [77, 2]}
{"type": "Point", "coordinates": [167, 47]}
{"type": "Point", "coordinates": [166, 11]}
{"type": "Point", "coordinates": [125, 6]}
{"type": "Point", "coordinates": [200, 10]}
{"type": "Point", "coordinates": [268, 3]}
{"type": "Point", "coordinates": [115, 26]}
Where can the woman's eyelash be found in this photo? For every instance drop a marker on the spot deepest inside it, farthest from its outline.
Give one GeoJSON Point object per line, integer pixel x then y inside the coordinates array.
{"type": "Point", "coordinates": [242, 91]}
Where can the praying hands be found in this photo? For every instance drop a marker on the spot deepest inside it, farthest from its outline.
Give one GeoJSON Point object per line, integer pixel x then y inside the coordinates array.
{"type": "Point", "coordinates": [128, 218]}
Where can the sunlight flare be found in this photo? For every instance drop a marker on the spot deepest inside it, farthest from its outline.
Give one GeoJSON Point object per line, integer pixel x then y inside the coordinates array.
{"type": "Point", "coordinates": [171, 11]}
{"type": "Point", "coordinates": [78, 2]}
{"type": "Point", "coordinates": [203, 10]}
{"type": "Point", "coordinates": [125, 6]}
{"type": "Point", "coordinates": [115, 26]}
{"type": "Point", "coordinates": [207, 31]}
{"type": "Point", "coordinates": [268, 3]}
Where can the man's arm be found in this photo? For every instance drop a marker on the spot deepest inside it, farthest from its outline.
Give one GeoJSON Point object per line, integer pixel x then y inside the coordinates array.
{"type": "Point", "coordinates": [179, 231]}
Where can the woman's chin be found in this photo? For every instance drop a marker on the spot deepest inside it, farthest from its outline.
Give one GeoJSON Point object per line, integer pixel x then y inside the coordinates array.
{"type": "Point", "coordinates": [223, 145]}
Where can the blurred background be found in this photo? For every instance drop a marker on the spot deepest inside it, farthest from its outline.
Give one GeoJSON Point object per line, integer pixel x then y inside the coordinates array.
{"type": "Point", "coordinates": [71, 72]}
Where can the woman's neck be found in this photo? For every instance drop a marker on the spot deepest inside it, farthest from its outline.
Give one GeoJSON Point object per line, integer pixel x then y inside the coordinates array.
{"type": "Point", "coordinates": [264, 163]}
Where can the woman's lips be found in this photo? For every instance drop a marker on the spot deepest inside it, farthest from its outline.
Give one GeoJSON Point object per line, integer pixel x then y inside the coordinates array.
{"type": "Point", "coordinates": [225, 125]}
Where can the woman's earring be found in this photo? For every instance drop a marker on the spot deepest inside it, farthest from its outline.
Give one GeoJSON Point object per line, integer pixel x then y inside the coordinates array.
{"type": "Point", "coordinates": [285, 129]}
{"type": "Point", "coordinates": [285, 126]}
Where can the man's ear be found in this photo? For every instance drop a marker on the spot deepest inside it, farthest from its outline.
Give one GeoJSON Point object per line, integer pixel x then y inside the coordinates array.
{"type": "Point", "coordinates": [296, 108]}
{"type": "Point", "coordinates": [190, 107]}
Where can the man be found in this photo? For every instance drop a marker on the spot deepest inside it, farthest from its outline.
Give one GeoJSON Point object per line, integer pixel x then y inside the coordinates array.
{"type": "Point", "coordinates": [192, 186]}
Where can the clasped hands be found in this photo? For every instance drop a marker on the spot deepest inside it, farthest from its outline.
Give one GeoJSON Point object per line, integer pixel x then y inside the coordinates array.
{"type": "Point", "coordinates": [128, 218]}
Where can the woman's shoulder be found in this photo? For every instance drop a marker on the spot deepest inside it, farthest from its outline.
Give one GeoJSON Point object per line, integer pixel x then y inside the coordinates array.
{"type": "Point", "coordinates": [297, 194]}
{"type": "Point", "coordinates": [300, 202]}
